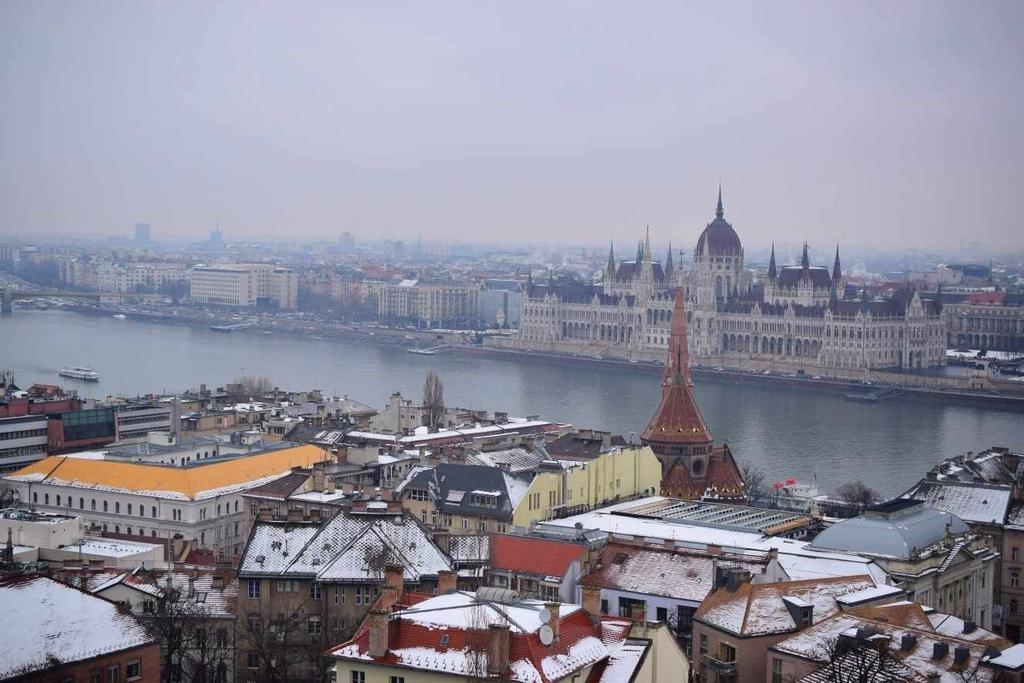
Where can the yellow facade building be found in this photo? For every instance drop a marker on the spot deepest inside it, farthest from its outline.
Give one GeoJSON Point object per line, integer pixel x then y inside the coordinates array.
{"type": "Point", "coordinates": [610, 477]}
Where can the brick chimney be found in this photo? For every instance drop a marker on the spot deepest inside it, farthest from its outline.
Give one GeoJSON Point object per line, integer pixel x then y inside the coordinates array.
{"type": "Point", "coordinates": [497, 649]}
{"type": "Point", "coordinates": [592, 601]}
{"type": "Point", "coordinates": [394, 584]}
{"type": "Point", "coordinates": [555, 620]}
{"type": "Point", "coordinates": [394, 577]}
{"type": "Point", "coordinates": [379, 632]}
{"type": "Point", "coordinates": [638, 613]}
{"type": "Point", "coordinates": [447, 580]}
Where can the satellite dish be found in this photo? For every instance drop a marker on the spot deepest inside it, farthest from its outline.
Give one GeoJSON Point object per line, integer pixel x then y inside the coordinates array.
{"type": "Point", "coordinates": [547, 636]}
{"type": "Point", "coordinates": [544, 615]}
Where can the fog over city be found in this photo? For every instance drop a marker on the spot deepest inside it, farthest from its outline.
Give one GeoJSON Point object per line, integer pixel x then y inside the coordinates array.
{"type": "Point", "coordinates": [877, 124]}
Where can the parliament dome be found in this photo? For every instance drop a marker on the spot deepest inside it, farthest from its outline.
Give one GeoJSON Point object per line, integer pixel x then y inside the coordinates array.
{"type": "Point", "coordinates": [718, 238]}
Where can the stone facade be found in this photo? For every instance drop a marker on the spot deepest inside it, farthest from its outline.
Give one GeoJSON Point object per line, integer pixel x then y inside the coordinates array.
{"type": "Point", "coordinates": [993, 327]}
{"type": "Point", "coordinates": [795, 314]}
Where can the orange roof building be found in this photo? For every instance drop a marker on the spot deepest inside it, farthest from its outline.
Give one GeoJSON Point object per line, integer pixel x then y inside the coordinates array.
{"type": "Point", "coordinates": [692, 468]}
{"type": "Point", "coordinates": [181, 483]}
{"type": "Point", "coordinates": [203, 504]}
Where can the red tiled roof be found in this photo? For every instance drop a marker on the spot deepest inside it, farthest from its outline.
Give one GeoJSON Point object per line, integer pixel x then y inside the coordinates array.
{"type": "Point", "coordinates": [721, 479]}
{"type": "Point", "coordinates": [534, 555]}
{"type": "Point", "coordinates": [678, 419]}
{"type": "Point", "coordinates": [674, 573]}
{"type": "Point", "coordinates": [407, 637]}
{"type": "Point", "coordinates": [986, 297]}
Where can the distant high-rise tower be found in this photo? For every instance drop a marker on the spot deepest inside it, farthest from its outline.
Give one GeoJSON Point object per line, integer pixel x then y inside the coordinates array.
{"type": "Point", "coordinates": [216, 237]}
{"type": "Point", "coordinates": [143, 233]}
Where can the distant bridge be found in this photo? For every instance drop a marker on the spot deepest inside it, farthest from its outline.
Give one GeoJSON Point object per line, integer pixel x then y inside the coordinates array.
{"type": "Point", "coordinates": [9, 296]}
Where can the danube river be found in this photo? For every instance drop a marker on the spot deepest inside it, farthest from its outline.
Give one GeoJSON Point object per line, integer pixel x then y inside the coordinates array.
{"type": "Point", "coordinates": [790, 433]}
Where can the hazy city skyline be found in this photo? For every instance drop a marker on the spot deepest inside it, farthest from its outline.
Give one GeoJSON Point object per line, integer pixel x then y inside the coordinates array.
{"type": "Point", "coordinates": [884, 125]}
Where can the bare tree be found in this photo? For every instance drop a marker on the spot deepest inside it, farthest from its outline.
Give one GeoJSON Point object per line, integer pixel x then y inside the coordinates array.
{"type": "Point", "coordinates": [756, 482]}
{"type": "Point", "coordinates": [177, 290]}
{"type": "Point", "coordinates": [857, 493]}
{"type": "Point", "coordinates": [377, 559]}
{"type": "Point", "coordinates": [477, 637]}
{"type": "Point", "coordinates": [433, 401]}
{"type": "Point", "coordinates": [195, 645]}
{"type": "Point", "coordinates": [864, 660]}
{"type": "Point", "coordinates": [278, 646]}
{"type": "Point", "coordinates": [253, 386]}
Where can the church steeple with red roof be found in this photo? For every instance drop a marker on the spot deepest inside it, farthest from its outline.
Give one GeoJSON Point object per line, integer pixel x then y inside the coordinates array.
{"type": "Point", "coordinates": [691, 467]}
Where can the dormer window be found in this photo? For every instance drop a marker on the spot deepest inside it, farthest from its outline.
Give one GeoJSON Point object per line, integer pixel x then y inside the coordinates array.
{"type": "Point", "coordinates": [484, 499]}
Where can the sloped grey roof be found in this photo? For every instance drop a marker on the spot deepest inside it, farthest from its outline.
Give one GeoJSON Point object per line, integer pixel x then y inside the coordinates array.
{"type": "Point", "coordinates": [510, 459]}
{"type": "Point", "coordinates": [338, 550]}
{"type": "Point", "coordinates": [971, 503]}
{"type": "Point", "coordinates": [894, 536]}
{"type": "Point", "coordinates": [790, 276]}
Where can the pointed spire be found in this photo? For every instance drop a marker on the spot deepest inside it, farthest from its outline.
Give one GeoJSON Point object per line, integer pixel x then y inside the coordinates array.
{"type": "Point", "coordinates": [837, 271]}
{"type": "Point", "coordinates": [677, 422]}
{"type": "Point", "coordinates": [773, 272]}
{"type": "Point", "coordinates": [669, 266]}
{"type": "Point", "coordinates": [647, 244]}
{"type": "Point", "coordinates": [805, 261]}
{"type": "Point", "coordinates": [611, 259]}
{"type": "Point", "coordinates": [677, 366]}
{"type": "Point", "coordinates": [639, 252]}
{"type": "Point", "coordinates": [719, 211]}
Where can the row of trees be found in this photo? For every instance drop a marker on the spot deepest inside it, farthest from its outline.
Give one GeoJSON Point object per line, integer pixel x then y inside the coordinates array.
{"type": "Point", "coordinates": [760, 489]}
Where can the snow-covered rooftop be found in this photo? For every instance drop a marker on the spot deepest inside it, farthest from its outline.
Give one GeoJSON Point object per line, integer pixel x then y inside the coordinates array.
{"type": "Point", "coordinates": [796, 557]}
{"type": "Point", "coordinates": [872, 594]}
{"type": "Point", "coordinates": [914, 664]}
{"type": "Point", "coordinates": [759, 609]}
{"type": "Point", "coordinates": [436, 634]}
{"type": "Point", "coordinates": [972, 503]}
{"type": "Point", "coordinates": [346, 548]}
{"type": "Point", "coordinates": [624, 662]}
{"type": "Point", "coordinates": [109, 547]}
{"type": "Point", "coordinates": [53, 620]}
{"type": "Point", "coordinates": [462, 609]}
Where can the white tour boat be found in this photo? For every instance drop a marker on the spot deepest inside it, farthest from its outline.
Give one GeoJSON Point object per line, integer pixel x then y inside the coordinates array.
{"type": "Point", "coordinates": [87, 374]}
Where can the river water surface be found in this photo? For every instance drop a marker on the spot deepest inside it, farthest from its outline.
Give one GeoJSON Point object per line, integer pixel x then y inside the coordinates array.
{"type": "Point", "coordinates": [790, 433]}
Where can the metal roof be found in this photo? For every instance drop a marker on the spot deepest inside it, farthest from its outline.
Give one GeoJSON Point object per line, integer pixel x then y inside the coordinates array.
{"type": "Point", "coordinates": [897, 536]}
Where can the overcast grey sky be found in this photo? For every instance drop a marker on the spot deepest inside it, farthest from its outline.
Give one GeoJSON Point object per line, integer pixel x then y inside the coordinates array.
{"type": "Point", "coordinates": [879, 123]}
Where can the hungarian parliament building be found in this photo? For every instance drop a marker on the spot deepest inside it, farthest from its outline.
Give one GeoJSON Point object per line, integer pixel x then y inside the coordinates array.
{"type": "Point", "coordinates": [792, 316]}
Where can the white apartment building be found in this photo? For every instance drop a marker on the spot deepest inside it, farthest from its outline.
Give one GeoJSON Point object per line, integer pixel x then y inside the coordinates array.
{"type": "Point", "coordinates": [137, 420]}
{"type": "Point", "coordinates": [139, 277]}
{"type": "Point", "coordinates": [244, 285]}
{"type": "Point", "coordinates": [22, 440]}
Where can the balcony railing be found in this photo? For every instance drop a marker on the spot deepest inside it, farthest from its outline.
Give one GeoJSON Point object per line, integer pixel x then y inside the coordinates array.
{"type": "Point", "coordinates": [720, 667]}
